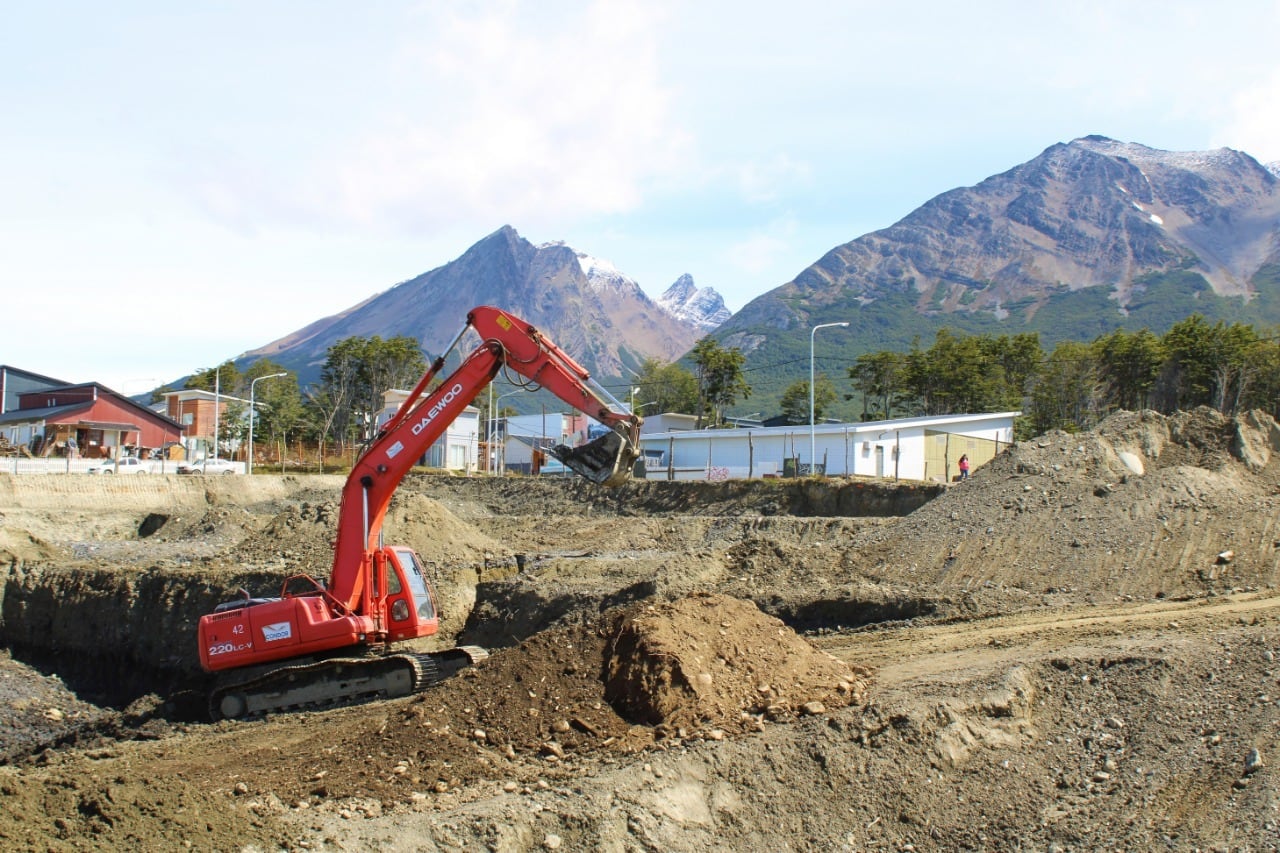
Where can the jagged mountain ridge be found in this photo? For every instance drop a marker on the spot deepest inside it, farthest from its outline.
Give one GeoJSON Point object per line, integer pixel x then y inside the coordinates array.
{"type": "Point", "coordinates": [594, 312]}
{"type": "Point", "coordinates": [1090, 213]}
{"type": "Point", "coordinates": [1089, 236]}
{"type": "Point", "coordinates": [701, 306]}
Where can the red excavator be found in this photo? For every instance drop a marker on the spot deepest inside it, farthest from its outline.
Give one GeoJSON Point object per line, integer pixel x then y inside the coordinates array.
{"type": "Point", "coordinates": [323, 644]}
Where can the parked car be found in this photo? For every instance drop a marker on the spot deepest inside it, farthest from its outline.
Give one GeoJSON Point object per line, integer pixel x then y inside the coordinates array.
{"type": "Point", "coordinates": [209, 466]}
{"type": "Point", "coordinates": [125, 465]}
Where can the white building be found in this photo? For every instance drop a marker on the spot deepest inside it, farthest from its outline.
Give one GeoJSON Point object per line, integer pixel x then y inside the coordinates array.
{"type": "Point", "coordinates": [669, 422]}
{"type": "Point", "coordinates": [909, 448]}
{"type": "Point", "coordinates": [521, 438]}
{"type": "Point", "coordinates": [457, 450]}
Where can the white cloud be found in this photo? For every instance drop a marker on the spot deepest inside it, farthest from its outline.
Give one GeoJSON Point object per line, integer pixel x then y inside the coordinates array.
{"type": "Point", "coordinates": [764, 246]}
{"type": "Point", "coordinates": [497, 116]}
{"type": "Point", "coordinates": [766, 179]}
{"type": "Point", "coordinates": [1253, 125]}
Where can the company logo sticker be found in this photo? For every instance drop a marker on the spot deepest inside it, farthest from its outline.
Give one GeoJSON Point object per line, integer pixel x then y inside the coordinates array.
{"type": "Point", "coordinates": [277, 631]}
{"type": "Point", "coordinates": [439, 407]}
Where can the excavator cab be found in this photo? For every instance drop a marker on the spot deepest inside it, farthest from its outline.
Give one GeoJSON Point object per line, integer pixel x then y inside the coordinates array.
{"type": "Point", "coordinates": [411, 605]}
{"type": "Point", "coordinates": [606, 460]}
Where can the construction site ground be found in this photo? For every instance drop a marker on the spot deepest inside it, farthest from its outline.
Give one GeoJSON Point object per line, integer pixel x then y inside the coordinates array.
{"type": "Point", "coordinates": [1073, 650]}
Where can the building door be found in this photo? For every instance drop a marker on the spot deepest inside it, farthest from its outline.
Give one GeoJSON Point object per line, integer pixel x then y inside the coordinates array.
{"type": "Point", "coordinates": [879, 460]}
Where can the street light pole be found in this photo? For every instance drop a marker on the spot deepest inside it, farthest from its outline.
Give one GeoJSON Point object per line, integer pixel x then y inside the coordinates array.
{"type": "Point", "coordinates": [252, 386]}
{"type": "Point", "coordinates": [217, 392]}
{"type": "Point", "coordinates": [503, 446]}
{"type": "Point", "coordinates": [813, 461]}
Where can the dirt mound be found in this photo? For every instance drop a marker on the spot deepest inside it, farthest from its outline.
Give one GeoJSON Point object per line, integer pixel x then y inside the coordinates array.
{"type": "Point", "coordinates": [635, 679]}
{"type": "Point", "coordinates": [714, 661]}
{"type": "Point", "coordinates": [35, 711]}
{"type": "Point", "coordinates": [304, 534]}
{"type": "Point", "coordinates": [300, 537]}
{"type": "Point", "coordinates": [1141, 507]}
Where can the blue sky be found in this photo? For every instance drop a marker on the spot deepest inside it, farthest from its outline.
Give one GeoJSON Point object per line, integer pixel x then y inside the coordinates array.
{"type": "Point", "coordinates": [180, 183]}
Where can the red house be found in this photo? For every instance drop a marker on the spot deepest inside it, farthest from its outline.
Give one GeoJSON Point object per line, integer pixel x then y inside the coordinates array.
{"type": "Point", "coordinates": [88, 420]}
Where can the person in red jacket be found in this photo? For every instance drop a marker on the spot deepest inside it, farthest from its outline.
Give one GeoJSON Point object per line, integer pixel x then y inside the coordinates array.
{"type": "Point", "coordinates": [964, 467]}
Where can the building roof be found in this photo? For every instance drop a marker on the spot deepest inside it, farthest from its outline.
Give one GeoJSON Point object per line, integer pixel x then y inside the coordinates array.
{"type": "Point", "coordinates": [44, 413]}
{"type": "Point", "coordinates": [9, 368]}
{"type": "Point", "coordinates": [926, 422]}
{"type": "Point", "coordinates": [201, 394]}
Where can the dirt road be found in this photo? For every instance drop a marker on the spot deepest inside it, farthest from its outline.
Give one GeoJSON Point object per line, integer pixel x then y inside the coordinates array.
{"type": "Point", "coordinates": [900, 654]}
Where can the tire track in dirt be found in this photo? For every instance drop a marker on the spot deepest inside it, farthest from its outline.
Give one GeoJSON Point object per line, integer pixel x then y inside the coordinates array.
{"type": "Point", "coordinates": [901, 654]}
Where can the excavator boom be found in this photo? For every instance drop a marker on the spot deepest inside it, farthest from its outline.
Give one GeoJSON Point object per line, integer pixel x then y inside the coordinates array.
{"type": "Point", "coordinates": [321, 644]}
{"type": "Point", "coordinates": [506, 342]}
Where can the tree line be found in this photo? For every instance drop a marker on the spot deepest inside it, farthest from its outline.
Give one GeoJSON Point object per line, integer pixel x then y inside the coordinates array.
{"type": "Point", "coordinates": [1230, 367]}
{"type": "Point", "coordinates": [337, 413]}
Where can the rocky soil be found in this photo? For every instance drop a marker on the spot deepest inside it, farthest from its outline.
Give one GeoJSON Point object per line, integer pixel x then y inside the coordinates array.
{"type": "Point", "coordinates": [1074, 650]}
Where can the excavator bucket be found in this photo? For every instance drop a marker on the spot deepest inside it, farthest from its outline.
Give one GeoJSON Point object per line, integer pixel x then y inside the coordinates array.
{"type": "Point", "coordinates": [607, 460]}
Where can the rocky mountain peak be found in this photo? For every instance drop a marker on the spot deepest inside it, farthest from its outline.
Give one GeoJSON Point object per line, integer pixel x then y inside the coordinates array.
{"type": "Point", "coordinates": [701, 307]}
{"type": "Point", "coordinates": [589, 308]}
{"type": "Point", "coordinates": [604, 277]}
{"type": "Point", "coordinates": [1090, 213]}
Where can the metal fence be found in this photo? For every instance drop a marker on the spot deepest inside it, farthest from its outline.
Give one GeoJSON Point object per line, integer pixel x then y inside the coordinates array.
{"type": "Point", "coordinates": [17, 465]}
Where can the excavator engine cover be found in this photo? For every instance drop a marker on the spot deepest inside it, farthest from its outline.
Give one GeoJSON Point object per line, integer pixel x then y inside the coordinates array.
{"type": "Point", "coordinates": [607, 460]}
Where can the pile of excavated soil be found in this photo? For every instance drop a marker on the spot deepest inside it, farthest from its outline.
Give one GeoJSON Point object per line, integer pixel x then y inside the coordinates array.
{"type": "Point", "coordinates": [37, 712]}
{"type": "Point", "coordinates": [636, 677]}
{"type": "Point", "coordinates": [655, 676]}
{"type": "Point", "coordinates": [708, 661]}
{"type": "Point", "coordinates": [302, 535]}
{"type": "Point", "coordinates": [1146, 505]}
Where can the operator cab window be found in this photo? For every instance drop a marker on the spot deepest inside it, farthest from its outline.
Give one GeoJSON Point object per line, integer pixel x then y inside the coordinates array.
{"type": "Point", "coordinates": [417, 583]}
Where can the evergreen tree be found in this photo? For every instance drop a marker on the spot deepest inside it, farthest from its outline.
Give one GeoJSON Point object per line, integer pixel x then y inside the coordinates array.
{"type": "Point", "coordinates": [720, 379]}
{"type": "Point", "coordinates": [668, 387]}
{"type": "Point", "coordinates": [1129, 364]}
{"type": "Point", "coordinates": [795, 400]}
{"type": "Point", "coordinates": [878, 376]}
{"type": "Point", "coordinates": [1067, 393]}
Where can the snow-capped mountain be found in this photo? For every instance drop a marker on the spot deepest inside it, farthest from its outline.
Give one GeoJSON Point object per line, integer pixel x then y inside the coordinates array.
{"type": "Point", "coordinates": [604, 277]}
{"type": "Point", "coordinates": [590, 309]}
{"type": "Point", "coordinates": [702, 307]}
{"type": "Point", "coordinates": [1090, 235]}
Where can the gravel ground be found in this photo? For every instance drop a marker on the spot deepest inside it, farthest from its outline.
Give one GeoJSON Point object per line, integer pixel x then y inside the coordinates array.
{"type": "Point", "coordinates": [1074, 650]}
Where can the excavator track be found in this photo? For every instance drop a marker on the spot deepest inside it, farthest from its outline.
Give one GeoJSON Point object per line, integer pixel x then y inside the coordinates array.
{"type": "Point", "coordinates": [339, 681]}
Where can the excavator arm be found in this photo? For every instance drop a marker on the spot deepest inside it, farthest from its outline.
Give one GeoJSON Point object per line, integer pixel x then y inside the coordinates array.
{"type": "Point", "coordinates": [506, 341]}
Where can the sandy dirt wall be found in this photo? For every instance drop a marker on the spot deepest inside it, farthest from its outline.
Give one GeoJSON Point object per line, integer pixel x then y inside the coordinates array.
{"type": "Point", "coordinates": [850, 497]}
{"type": "Point", "coordinates": [147, 492]}
{"type": "Point", "coordinates": [126, 616]}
